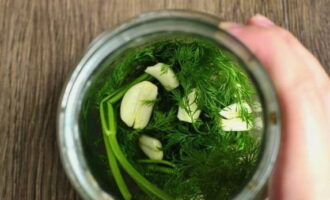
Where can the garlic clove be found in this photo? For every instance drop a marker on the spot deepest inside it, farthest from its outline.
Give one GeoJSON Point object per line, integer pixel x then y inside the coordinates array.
{"type": "Point", "coordinates": [235, 124]}
{"type": "Point", "coordinates": [190, 113]}
{"type": "Point", "coordinates": [129, 104]}
{"type": "Point", "coordinates": [256, 107]}
{"type": "Point", "coordinates": [134, 110]}
{"type": "Point", "coordinates": [233, 110]}
{"type": "Point", "coordinates": [151, 147]}
{"type": "Point", "coordinates": [164, 74]}
{"type": "Point", "coordinates": [258, 123]}
{"type": "Point", "coordinates": [144, 110]}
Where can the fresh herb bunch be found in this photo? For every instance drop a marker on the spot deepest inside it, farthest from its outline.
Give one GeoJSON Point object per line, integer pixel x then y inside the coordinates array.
{"type": "Point", "coordinates": [201, 161]}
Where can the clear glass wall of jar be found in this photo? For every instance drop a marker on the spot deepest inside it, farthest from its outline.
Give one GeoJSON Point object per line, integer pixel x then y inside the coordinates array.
{"type": "Point", "coordinates": [138, 31]}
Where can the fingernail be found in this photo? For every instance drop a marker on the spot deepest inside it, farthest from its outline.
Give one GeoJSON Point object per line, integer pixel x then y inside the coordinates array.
{"type": "Point", "coordinates": [260, 20]}
{"type": "Point", "coordinates": [229, 25]}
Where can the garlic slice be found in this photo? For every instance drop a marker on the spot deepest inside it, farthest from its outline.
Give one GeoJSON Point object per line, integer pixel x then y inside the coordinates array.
{"type": "Point", "coordinates": [151, 147]}
{"type": "Point", "coordinates": [235, 124]}
{"type": "Point", "coordinates": [233, 110]}
{"type": "Point", "coordinates": [192, 108]}
{"type": "Point", "coordinates": [164, 74]}
{"type": "Point", "coordinates": [134, 110]}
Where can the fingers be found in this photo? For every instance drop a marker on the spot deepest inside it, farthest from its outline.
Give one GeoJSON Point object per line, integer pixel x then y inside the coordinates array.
{"type": "Point", "coordinates": [279, 51]}
{"type": "Point", "coordinates": [272, 51]}
{"type": "Point", "coordinates": [260, 20]}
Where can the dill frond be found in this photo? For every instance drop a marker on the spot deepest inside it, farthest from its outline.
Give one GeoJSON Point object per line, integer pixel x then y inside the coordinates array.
{"type": "Point", "coordinates": [209, 162]}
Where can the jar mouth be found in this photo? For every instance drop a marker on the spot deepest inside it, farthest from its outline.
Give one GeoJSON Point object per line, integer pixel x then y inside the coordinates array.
{"type": "Point", "coordinates": [155, 24]}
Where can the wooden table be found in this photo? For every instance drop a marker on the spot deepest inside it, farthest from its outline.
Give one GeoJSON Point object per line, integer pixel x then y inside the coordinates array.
{"type": "Point", "coordinates": [40, 42]}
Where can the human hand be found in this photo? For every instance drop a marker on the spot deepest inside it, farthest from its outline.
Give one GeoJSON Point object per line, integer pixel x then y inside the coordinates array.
{"type": "Point", "coordinates": [303, 168]}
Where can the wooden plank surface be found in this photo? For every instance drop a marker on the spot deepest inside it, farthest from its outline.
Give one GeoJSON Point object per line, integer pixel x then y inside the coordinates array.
{"type": "Point", "coordinates": [40, 42]}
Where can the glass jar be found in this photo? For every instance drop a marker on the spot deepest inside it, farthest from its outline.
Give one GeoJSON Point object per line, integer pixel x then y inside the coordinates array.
{"type": "Point", "coordinates": [140, 30]}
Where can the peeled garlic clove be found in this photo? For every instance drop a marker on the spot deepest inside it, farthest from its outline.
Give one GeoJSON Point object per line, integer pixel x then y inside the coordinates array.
{"type": "Point", "coordinates": [233, 110]}
{"type": "Point", "coordinates": [235, 124]}
{"type": "Point", "coordinates": [258, 123]}
{"type": "Point", "coordinates": [190, 112]}
{"type": "Point", "coordinates": [129, 104]}
{"type": "Point", "coordinates": [151, 147]}
{"type": "Point", "coordinates": [164, 74]}
{"type": "Point", "coordinates": [134, 110]}
{"type": "Point", "coordinates": [256, 107]}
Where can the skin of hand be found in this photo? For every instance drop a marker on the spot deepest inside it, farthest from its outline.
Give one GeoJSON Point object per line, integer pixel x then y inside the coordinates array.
{"type": "Point", "coordinates": [302, 171]}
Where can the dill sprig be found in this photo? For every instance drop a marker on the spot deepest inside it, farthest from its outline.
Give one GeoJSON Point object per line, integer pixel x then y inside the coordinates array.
{"type": "Point", "coordinates": [201, 161]}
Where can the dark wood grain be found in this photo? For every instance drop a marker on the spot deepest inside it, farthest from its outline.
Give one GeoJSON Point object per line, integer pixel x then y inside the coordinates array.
{"type": "Point", "coordinates": [40, 42]}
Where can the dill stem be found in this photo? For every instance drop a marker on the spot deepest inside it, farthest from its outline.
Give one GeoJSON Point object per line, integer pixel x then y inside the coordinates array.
{"type": "Point", "coordinates": [112, 160]}
{"type": "Point", "coordinates": [135, 175]}
{"type": "Point", "coordinates": [153, 161]}
{"type": "Point", "coordinates": [110, 131]}
{"type": "Point", "coordinates": [115, 96]}
{"type": "Point", "coordinates": [195, 128]}
{"type": "Point", "coordinates": [116, 172]}
{"type": "Point", "coordinates": [161, 169]}
{"type": "Point", "coordinates": [148, 193]}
